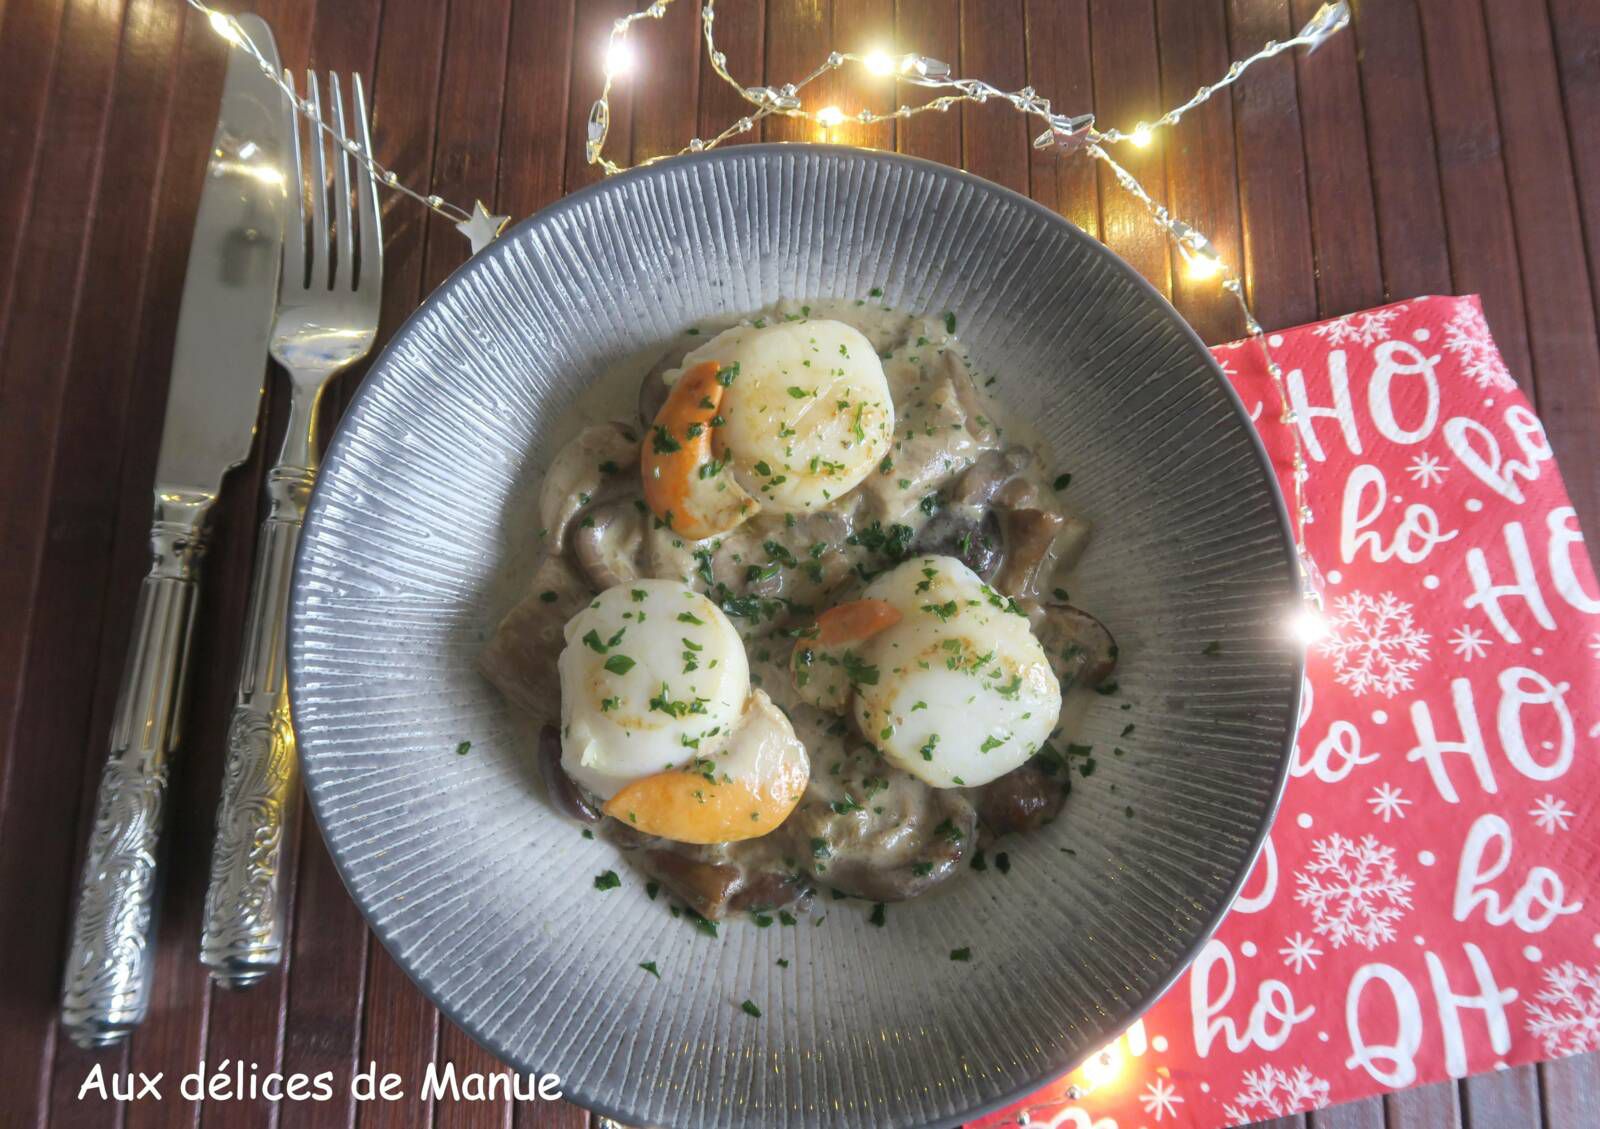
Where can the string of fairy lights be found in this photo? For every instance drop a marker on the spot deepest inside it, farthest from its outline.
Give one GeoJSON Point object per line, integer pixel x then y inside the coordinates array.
{"type": "Point", "coordinates": [1068, 133]}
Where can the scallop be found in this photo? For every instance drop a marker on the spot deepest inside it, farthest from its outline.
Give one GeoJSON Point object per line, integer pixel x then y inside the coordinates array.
{"type": "Point", "coordinates": [958, 692]}
{"type": "Point", "coordinates": [807, 413]}
{"type": "Point", "coordinates": [651, 670]}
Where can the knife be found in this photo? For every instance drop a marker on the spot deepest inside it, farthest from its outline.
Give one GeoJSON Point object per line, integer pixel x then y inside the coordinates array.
{"type": "Point", "coordinates": [218, 373]}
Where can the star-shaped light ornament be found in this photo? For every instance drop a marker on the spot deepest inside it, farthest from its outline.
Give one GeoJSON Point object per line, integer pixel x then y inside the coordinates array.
{"type": "Point", "coordinates": [481, 228]}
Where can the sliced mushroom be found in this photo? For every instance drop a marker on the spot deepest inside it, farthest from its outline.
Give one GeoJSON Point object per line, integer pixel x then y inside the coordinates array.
{"type": "Point", "coordinates": [1028, 535]}
{"type": "Point", "coordinates": [1082, 651]}
{"type": "Point", "coordinates": [520, 658]}
{"type": "Point", "coordinates": [996, 522]}
{"type": "Point", "coordinates": [608, 543]}
{"type": "Point", "coordinates": [564, 793]}
{"type": "Point", "coordinates": [1023, 799]}
{"type": "Point", "coordinates": [598, 464]}
{"type": "Point", "coordinates": [715, 889]}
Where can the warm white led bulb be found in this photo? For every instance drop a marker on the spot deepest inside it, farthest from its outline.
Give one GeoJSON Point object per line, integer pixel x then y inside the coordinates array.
{"type": "Point", "coordinates": [619, 59]}
{"type": "Point", "coordinates": [879, 62]}
{"type": "Point", "coordinates": [830, 116]}
{"type": "Point", "coordinates": [1308, 625]}
{"type": "Point", "coordinates": [224, 26]}
{"type": "Point", "coordinates": [1142, 134]}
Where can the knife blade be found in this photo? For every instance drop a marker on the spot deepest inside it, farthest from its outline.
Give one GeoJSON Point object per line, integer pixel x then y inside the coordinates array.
{"type": "Point", "coordinates": [213, 400]}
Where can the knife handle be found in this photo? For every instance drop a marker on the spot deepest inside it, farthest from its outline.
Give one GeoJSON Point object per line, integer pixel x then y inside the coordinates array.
{"type": "Point", "coordinates": [107, 986]}
{"type": "Point", "coordinates": [243, 936]}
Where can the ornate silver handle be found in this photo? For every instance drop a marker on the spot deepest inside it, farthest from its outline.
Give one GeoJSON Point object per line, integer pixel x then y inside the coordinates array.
{"type": "Point", "coordinates": [243, 935]}
{"type": "Point", "coordinates": [107, 986]}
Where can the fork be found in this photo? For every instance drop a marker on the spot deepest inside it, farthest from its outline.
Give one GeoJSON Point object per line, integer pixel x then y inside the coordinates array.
{"type": "Point", "coordinates": [326, 321]}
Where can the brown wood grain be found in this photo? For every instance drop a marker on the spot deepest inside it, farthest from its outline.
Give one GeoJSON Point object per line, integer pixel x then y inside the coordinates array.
{"type": "Point", "coordinates": [1443, 145]}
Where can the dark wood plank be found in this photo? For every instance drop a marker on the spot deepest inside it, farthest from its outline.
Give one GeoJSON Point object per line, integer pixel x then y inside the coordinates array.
{"type": "Point", "coordinates": [1549, 233]}
{"type": "Point", "coordinates": [1569, 1089]}
{"type": "Point", "coordinates": [84, 496]}
{"type": "Point", "coordinates": [1576, 33]}
{"type": "Point", "coordinates": [863, 26]}
{"type": "Point", "coordinates": [1501, 1098]}
{"type": "Point", "coordinates": [666, 83]}
{"type": "Point", "coordinates": [994, 139]}
{"type": "Point", "coordinates": [1061, 69]}
{"type": "Point", "coordinates": [1344, 225]}
{"type": "Point", "coordinates": [1483, 250]}
{"type": "Point", "coordinates": [40, 788]}
{"type": "Point", "coordinates": [1201, 172]}
{"type": "Point", "coordinates": [533, 137]}
{"type": "Point", "coordinates": [931, 28]}
{"type": "Point", "coordinates": [592, 28]}
{"type": "Point", "coordinates": [1127, 90]}
{"type": "Point", "coordinates": [1279, 267]}
{"type": "Point", "coordinates": [1425, 1107]}
{"type": "Point", "coordinates": [1366, 1114]}
{"type": "Point", "coordinates": [797, 40]}
{"type": "Point", "coordinates": [457, 1049]}
{"type": "Point", "coordinates": [1401, 153]}
{"type": "Point", "coordinates": [29, 31]}
{"type": "Point", "coordinates": [741, 36]}
{"type": "Point", "coordinates": [402, 1032]}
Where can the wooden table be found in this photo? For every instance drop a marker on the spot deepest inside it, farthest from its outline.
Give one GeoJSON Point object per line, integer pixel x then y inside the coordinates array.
{"type": "Point", "coordinates": [1442, 146]}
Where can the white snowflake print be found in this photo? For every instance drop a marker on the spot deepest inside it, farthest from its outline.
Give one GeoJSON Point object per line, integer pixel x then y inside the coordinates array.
{"type": "Point", "coordinates": [1426, 470]}
{"type": "Point", "coordinates": [1374, 644]}
{"type": "Point", "coordinates": [1386, 801]}
{"type": "Point", "coordinates": [1469, 643]}
{"type": "Point", "coordinates": [1160, 1098]}
{"type": "Point", "coordinates": [1467, 336]}
{"type": "Point", "coordinates": [1359, 329]}
{"type": "Point", "coordinates": [1566, 1020]}
{"type": "Point", "coordinates": [1301, 952]}
{"type": "Point", "coordinates": [1271, 1092]}
{"type": "Point", "coordinates": [1550, 814]}
{"type": "Point", "coordinates": [1354, 890]}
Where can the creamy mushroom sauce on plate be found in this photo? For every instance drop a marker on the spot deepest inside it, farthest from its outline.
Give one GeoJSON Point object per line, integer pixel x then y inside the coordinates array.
{"type": "Point", "coordinates": [800, 619]}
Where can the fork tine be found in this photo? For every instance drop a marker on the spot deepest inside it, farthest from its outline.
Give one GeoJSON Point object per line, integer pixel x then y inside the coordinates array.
{"type": "Point", "coordinates": [293, 276]}
{"type": "Point", "coordinates": [367, 199]}
{"type": "Point", "coordinates": [319, 193]}
{"type": "Point", "coordinates": [344, 270]}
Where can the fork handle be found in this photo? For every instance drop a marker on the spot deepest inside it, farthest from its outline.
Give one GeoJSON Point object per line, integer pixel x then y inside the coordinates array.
{"type": "Point", "coordinates": [106, 991]}
{"type": "Point", "coordinates": [243, 936]}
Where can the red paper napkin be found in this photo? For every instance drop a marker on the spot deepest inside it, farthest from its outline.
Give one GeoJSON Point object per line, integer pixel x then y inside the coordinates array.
{"type": "Point", "coordinates": [1426, 905]}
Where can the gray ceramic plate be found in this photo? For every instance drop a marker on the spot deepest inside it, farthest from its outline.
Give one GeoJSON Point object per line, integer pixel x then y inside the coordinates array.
{"type": "Point", "coordinates": [416, 540]}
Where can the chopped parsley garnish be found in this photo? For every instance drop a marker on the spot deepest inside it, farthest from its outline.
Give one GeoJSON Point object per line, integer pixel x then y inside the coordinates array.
{"type": "Point", "coordinates": [949, 830]}
{"type": "Point", "coordinates": [663, 443]}
{"type": "Point", "coordinates": [944, 611]}
{"type": "Point", "coordinates": [464, 748]}
{"type": "Point", "coordinates": [927, 750]}
{"type": "Point", "coordinates": [638, 595]}
{"type": "Point", "coordinates": [820, 849]}
{"type": "Point", "coordinates": [879, 914]}
{"type": "Point", "coordinates": [650, 967]}
{"type": "Point", "coordinates": [962, 954]}
{"type": "Point", "coordinates": [798, 393]}
{"type": "Point", "coordinates": [619, 664]}
{"type": "Point", "coordinates": [846, 805]}
{"type": "Point", "coordinates": [592, 640]}
{"type": "Point", "coordinates": [1212, 648]}
{"type": "Point", "coordinates": [979, 862]}
{"type": "Point", "coordinates": [547, 597]}
{"type": "Point", "coordinates": [727, 374]}
{"type": "Point", "coordinates": [859, 673]}
{"type": "Point", "coordinates": [1127, 729]}
{"type": "Point", "coordinates": [991, 742]}
{"type": "Point", "coordinates": [785, 917]}
{"type": "Point", "coordinates": [922, 869]}
{"type": "Point", "coordinates": [607, 880]}
{"type": "Point", "coordinates": [1002, 863]}
{"type": "Point", "coordinates": [949, 323]}
{"type": "Point", "coordinates": [1062, 481]}
{"type": "Point", "coordinates": [690, 617]}
{"type": "Point", "coordinates": [783, 962]}
{"type": "Point", "coordinates": [750, 1009]}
